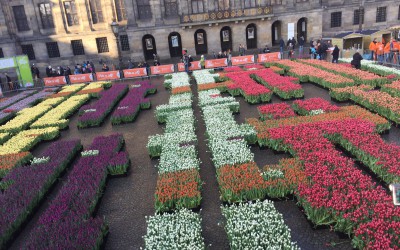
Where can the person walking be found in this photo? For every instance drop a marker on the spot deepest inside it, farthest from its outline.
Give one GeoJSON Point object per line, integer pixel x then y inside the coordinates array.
{"type": "Point", "coordinates": [335, 54]}
{"type": "Point", "coordinates": [301, 46]}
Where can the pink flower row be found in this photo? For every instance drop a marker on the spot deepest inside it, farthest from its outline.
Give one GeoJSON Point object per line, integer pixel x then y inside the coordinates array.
{"type": "Point", "coordinates": [316, 104]}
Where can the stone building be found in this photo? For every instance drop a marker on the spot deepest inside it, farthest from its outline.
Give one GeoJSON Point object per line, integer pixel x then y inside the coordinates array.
{"type": "Point", "coordinates": [63, 32]}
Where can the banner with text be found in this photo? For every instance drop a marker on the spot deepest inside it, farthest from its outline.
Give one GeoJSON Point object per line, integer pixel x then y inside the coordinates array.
{"type": "Point", "coordinates": [269, 57]}
{"type": "Point", "coordinates": [108, 75]}
{"type": "Point", "coordinates": [81, 78]}
{"type": "Point", "coordinates": [216, 63]}
{"type": "Point", "coordinates": [195, 66]}
{"type": "Point", "coordinates": [131, 73]}
{"type": "Point", "coordinates": [163, 69]}
{"type": "Point", "coordinates": [55, 81]}
{"type": "Point", "coordinates": [241, 60]}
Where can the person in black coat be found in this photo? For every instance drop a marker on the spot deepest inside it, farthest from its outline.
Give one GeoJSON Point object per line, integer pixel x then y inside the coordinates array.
{"type": "Point", "coordinates": [335, 54]}
{"type": "Point", "coordinates": [356, 62]}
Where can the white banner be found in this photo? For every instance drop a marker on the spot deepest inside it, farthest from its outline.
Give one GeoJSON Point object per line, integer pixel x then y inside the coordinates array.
{"type": "Point", "coordinates": [7, 63]}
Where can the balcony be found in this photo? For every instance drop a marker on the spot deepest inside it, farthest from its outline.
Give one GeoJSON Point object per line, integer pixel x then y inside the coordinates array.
{"type": "Point", "coordinates": [209, 17]}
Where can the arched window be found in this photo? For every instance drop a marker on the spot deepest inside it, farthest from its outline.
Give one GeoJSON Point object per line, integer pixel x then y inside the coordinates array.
{"type": "Point", "coordinates": [251, 36]}
{"type": "Point", "coordinates": [149, 46]}
{"type": "Point", "coordinates": [200, 41]}
{"type": "Point", "coordinates": [96, 11]}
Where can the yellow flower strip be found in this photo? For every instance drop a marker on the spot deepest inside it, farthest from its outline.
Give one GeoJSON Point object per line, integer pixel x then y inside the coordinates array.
{"type": "Point", "coordinates": [56, 117]}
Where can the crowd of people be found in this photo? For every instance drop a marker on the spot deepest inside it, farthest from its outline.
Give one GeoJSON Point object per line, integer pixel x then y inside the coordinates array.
{"type": "Point", "coordinates": [385, 52]}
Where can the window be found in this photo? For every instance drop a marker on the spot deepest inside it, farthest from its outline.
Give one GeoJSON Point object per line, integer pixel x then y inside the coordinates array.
{"type": "Point", "coordinates": [381, 14]}
{"type": "Point", "coordinates": [222, 5]}
{"type": "Point", "coordinates": [1, 53]}
{"type": "Point", "coordinates": [197, 6]}
{"type": "Point", "coordinates": [96, 11]}
{"type": "Point", "coordinates": [336, 19]}
{"type": "Point", "coordinates": [77, 47]}
{"type": "Point", "coordinates": [250, 3]}
{"type": "Point", "coordinates": [102, 44]}
{"type": "Point", "coordinates": [46, 16]}
{"type": "Point", "coordinates": [52, 49]}
{"type": "Point", "coordinates": [20, 18]}
{"type": "Point", "coordinates": [120, 10]}
{"type": "Point", "coordinates": [27, 49]}
{"type": "Point", "coordinates": [124, 40]}
{"type": "Point", "coordinates": [171, 7]}
{"type": "Point", "coordinates": [356, 18]}
{"type": "Point", "coordinates": [71, 13]}
{"type": "Point", "coordinates": [144, 9]}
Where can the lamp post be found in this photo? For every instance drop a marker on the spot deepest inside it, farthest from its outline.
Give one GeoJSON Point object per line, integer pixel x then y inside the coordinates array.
{"type": "Point", "coordinates": [115, 30]}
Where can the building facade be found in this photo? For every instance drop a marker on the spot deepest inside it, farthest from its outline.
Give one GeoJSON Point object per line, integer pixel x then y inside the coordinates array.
{"type": "Point", "coordinates": [63, 32]}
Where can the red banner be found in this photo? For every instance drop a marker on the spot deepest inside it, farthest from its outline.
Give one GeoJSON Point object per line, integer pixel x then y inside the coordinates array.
{"type": "Point", "coordinates": [269, 57]}
{"type": "Point", "coordinates": [163, 69]}
{"type": "Point", "coordinates": [241, 60]}
{"type": "Point", "coordinates": [81, 78]}
{"type": "Point", "coordinates": [216, 63]}
{"type": "Point", "coordinates": [108, 75]}
{"type": "Point", "coordinates": [54, 81]}
{"type": "Point", "coordinates": [131, 73]}
{"type": "Point", "coordinates": [195, 66]}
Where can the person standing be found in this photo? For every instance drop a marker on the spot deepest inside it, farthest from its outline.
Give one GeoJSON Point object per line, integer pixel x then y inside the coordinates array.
{"type": "Point", "coordinates": [130, 64]}
{"type": "Point", "coordinates": [229, 56]}
{"type": "Point", "coordinates": [9, 81]}
{"type": "Point", "coordinates": [335, 54]}
{"type": "Point", "coordinates": [386, 51]}
{"type": "Point", "coordinates": [281, 46]}
{"type": "Point", "coordinates": [202, 62]}
{"type": "Point", "coordinates": [48, 71]}
{"type": "Point", "coordinates": [186, 62]}
{"type": "Point", "coordinates": [301, 46]}
{"type": "Point", "coordinates": [105, 68]}
{"type": "Point", "coordinates": [380, 51]}
{"type": "Point", "coordinates": [372, 48]}
{"type": "Point", "coordinates": [294, 42]}
{"type": "Point", "coordinates": [35, 72]}
{"type": "Point", "coordinates": [241, 50]}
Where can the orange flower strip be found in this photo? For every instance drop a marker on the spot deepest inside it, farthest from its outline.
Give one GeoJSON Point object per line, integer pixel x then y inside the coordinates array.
{"type": "Point", "coordinates": [180, 189]}
{"type": "Point", "coordinates": [293, 175]}
{"type": "Point", "coordinates": [62, 94]}
{"type": "Point", "coordinates": [9, 161]}
{"type": "Point", "coordinates": [343, 94]}
{"type": "Point", "coordinates": [241, 182]}
{"type": "Point", "coordinates": [179, 90]}
{"type": "Point", "coordinates": [307, 73]}
{"type": "Point", "coordinates": [89, 91]}
{"type": "Point", "coordinates": [217, 85]}
{"type": "Point", "coordinates": [361, 77]}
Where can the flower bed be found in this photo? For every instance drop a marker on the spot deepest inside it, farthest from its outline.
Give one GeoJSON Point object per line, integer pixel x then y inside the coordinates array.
{"type": "Point", "coordinates": [275, 111]}
{"type": "Point", "coordinates": [256, 225]}
{"type": "Point", "coordinates": [176, 102]}
{"type": "Point", "coordinates": [284, 87]}
{"type": "Point", "coordinates": [359, 76]}
{"type": "Point", "coordinates": [314, 106]}
{"type": "Point", "coordinates": [179, 230]}
{"type": "Point", "coordinates": [101, 108]}
{"type": "Point", "coordinates": [9, 161]}
{"type": "Point", "coordinates": [129, 107]}
{"type": "Point", "coordinates": [57, 116]}
{"type": "Point", "coordinates": [373, 67]}
{"type": "Point", "coordinates": [178, 189]}
{"type": "Point", "coordinates": [307, 73]}
{"type": "Point", "coordinates": [176, 80]}
{"type": "Point", "coordinates": [11, 100]}
{"type": "Point", "coordinates": [29, 184]}
{"type": "Point", "coordinates": [233, 69]}
{"type": "Point", "coordinates": [254, 66]}
{"type": "Point", "coordinates": [284, 178]}
{"type": "Point", "coordinates": [392, 89]}
{"type": "Point", "coordinates": [68, 90]}
{"type": "Point", "coordinates": [344, 94]}
{"type": "Point", "coordinates": [94, 88]}
{"type": "Point", "coordinates": [277, 70]}
{"type": "Point", "coordinates": [62, 226]}
{"type": "Point", "coordinates": [213, 97]}
{"type": "Point", "coordinates": [27, 116]}
{"type": "Point", "coordinates": [241, 182]}
{"type": "Point", "coordinates": [380, 102]}
{"type": "Point", "coordinates": [337, 192]}
{"type": "Point", "coordinates": [248, 88]}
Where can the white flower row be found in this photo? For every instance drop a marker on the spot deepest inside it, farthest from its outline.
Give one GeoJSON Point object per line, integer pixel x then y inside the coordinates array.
{"type": "Point", "coordinates": [179, 230]}
{"type": "Point", "coordinates": [316, 112]}
{"type": "Point", "coordinates": [175, 158]}
{"type": "Point", "coordinates": [213, 97]}
{"type": "Point", "coordinates": [204, 76]}
{"type": "Point", "coordinates": [272, 174]}
{"type": "Point", "coordinates": [176, 80]}
{"type": "Point", "coordinates": [40, 160]}
{"type": "Point", "coordinates": [256, 226]}
{"type": "Point", "coordinates": [229, 152]}
{"type": "Point", "coordinates": [89, 153]}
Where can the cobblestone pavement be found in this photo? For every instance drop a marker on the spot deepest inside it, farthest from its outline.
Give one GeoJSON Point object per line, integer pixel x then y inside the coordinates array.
{"type": "Point", "coordinates": [127, 200]}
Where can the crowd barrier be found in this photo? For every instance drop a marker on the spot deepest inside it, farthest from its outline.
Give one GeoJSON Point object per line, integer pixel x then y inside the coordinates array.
{"type": "Point", "coordinates": [159, 70]}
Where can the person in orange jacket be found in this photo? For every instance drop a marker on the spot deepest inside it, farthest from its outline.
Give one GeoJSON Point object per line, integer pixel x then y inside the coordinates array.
{"type": "Point", "coordinates": [395, 51]}
{"type": "Point", "coordinates": [372, 48]}
{"type": "Point", "coordinates": [386, 50]}
{"type": "Point", "coordinates": [380, 51]}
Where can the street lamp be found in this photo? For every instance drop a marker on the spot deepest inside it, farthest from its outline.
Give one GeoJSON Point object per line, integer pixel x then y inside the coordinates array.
{"type": "Point", "coordinates": [115, 30]}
